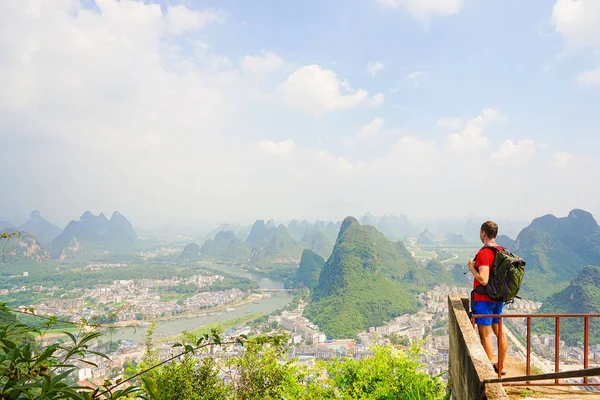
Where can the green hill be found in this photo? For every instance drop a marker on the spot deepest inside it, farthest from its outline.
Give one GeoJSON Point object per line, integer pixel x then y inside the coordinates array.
{"type": "Point", "coordinates": [352, 293]}
{"type": "Point", "coordinates": [394, 259]}
{"type": "Point", "coordinates": [556, 250]}
{"type": "Point", "coordinates": [226, 247]}
{"type": "Point", "coordinates": [190, 253]}
{"type": "Point", "coordinates": [582, 296]}
{"type": "Point", "coordinates": [307, 274]}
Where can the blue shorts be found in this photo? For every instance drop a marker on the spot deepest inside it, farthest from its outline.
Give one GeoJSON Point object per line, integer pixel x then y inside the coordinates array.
{"type": "Point", "coordinates": [486, 307]}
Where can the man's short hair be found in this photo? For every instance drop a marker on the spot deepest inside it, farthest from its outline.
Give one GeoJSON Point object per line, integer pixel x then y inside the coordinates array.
{"type": "Point", "coordinates": [490, 228]}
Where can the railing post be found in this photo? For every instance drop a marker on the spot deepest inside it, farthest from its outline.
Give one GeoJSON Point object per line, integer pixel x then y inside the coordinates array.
{"type": "Point", "coordinates": [500, 358]}
{"type": "Point", "coordinates": [586, 327]}
{"type": "Point", "coordinates": [528, 370]}
{"type": "Point", "coordinates": [556, 346]}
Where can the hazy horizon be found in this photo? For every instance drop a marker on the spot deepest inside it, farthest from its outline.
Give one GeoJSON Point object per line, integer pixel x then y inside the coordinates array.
{"type": "Point", "coordinates": [204, 112]}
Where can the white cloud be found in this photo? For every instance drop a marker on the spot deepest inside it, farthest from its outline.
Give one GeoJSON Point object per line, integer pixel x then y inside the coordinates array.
{"type": "Point", "coordinates": [516, 153]}
{"type": "Point", "coordinates": [181, 19]}
{"type": "Point", "coordinates": [425, 9]}
{"type": "Point", "coordinates": [372, 129]}
{"type": "Point", "coordinates": [220, 62]}
{"type": "Point", "coordinates": [417, 78]}
{"type": "Point", "coordinates": [284, 148]}
{"type": "Point", "coordinates": [267, 62]}
{"type": "Point", "coordinates": [374, 68]}
{"type": "Point", "coordinates": [368, 132]}
{"type": "Point", "coordinates": [450, 123]}
{"type": "Point", "coordinates": [377, 99]}
{"type": "Point", "coordinates": [562, 159]}
{"type": "Point", "coordinates": [317, 90]}
{"type": "Point", "coordinates": [578, 22]}
{"type": "Point", "coordinates": [117, 115]}
{"type": "Point", "coordinates": [471, 138]}
{"type": "Point", "coordinates": [589, 77]}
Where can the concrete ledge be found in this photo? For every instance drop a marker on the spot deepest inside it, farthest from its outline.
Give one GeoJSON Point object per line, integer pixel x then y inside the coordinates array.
{"type": "Point", "coordinates": [469, 364]}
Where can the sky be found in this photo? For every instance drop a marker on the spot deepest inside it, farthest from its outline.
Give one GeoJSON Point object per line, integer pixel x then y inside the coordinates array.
{"type": "Point", "coordinates": [232, 110]}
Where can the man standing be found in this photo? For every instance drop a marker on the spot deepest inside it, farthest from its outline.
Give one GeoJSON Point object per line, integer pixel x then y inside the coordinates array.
{"type": "Point", "coordinates": [482, 304]}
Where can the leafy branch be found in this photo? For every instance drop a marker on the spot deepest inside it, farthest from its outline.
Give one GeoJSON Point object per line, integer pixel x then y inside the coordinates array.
{"type": "Point", "coordinates": [4, 238]}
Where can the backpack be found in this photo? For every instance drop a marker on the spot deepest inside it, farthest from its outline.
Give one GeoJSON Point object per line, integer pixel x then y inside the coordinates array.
{"type": "Point", "coordinates": [506, 276]}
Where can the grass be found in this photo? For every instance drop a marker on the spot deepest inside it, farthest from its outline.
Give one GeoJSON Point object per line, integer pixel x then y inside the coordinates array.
{"type": "Point", "coordinates": [221, 325]}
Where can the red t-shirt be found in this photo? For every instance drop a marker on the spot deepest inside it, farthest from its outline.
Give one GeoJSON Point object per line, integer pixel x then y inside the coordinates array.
{"type": "Point", "coordinates": [484, 256]}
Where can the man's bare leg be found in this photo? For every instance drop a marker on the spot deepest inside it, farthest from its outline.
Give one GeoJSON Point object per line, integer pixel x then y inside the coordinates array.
{"type": "Point", "coordinates": [485, 334]}
{"type": "Point", "coordinates": [504, 342]}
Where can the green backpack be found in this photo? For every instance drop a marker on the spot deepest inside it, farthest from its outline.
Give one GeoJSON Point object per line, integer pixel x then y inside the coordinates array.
{"type": "Point", "coordinates": [506, 276]}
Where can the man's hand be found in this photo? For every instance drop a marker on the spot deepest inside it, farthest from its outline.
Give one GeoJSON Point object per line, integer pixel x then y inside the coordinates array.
{"type": "Point", "coordinates": [472, 266]}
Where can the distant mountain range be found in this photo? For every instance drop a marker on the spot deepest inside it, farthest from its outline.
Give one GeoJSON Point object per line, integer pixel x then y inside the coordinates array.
{"type": "Point", "coordinates": [268, 243]}
{"type": "Point", "coordinates": [556, 251]}
{"type": "Point", "coordinates": [94, 233]}
{"type": "Point", "coordinates": [43, 231]}
{"type": "Point", "coordinates": [226, 246]}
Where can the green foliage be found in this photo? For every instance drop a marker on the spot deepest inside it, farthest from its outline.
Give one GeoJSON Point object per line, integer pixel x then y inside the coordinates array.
{"type": "Point", "coordinates": [188, 379]}
{"type": "Point", "coordinates": [5, 238]}
{"type": "Point", "coordinates": [389, 374]}
{"type": "Point", "coordinates": [32, 371]}
{"type": "Point", "coordinates": [262, 371]}
{"type": "Point", "coordinates": [353, 293]}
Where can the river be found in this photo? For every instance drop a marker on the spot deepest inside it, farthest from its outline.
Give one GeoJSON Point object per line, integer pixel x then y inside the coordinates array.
{"type": "Point", "coordinates": [175, 326]}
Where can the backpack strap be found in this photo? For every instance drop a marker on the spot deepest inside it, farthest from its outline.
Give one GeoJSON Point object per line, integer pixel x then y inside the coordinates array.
{"type": "Point", "coordinates": [487, 246]}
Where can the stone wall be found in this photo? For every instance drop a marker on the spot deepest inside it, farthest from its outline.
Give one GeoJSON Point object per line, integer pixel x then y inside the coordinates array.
{"type": "Point", "coordinates": [469, 364]}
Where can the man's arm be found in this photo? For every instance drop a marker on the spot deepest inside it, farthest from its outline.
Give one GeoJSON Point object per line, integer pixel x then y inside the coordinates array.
{"type": "Point", "coordinates": [482, 275]}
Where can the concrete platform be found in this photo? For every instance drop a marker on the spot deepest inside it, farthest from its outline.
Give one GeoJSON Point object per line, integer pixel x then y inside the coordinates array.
{"type": "Point", "coordinates": [515, 367]}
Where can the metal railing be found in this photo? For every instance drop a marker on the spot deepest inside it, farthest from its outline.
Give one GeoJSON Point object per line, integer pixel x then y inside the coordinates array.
{"type": "Point", "coordinates": [557, 375]}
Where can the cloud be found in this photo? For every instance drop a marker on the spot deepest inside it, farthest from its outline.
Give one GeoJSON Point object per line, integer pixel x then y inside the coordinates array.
{"type": "Point", "coordinates": [589, 77]}
{"type": "Point", "coordinates": [369, 132]}
{"type": "Point", "coordinates": [578, 22]}
{"type": "Point", "coordinates": [317, 90]}
{"type": "Point", "coordinates": [425, 9]}
{"type": "Point", "coordinates": [284, 148]}
{"type": "Point", "coordinates": [377, 99]}
{"type": "Point", "coordinates": [471, 138]}
{"type": "Point", "coordinates": [374, 68]}
{"type": "Point", "coordinates": [372, 129]}
{"type": "Point", "coordinates": [562, 159]}
{"type": "Point", "coordinates": [417, 78]}
{"type": "Point", "coordinates": [516, 153]}
{"type": "Point", "coordinates": [451, 123]}
{"type": "Point", "coordinates": [180, 18]}
{"type": "Point", "coordinates": [125, 109]}
{"type": "Point", "coordinates": [267, 62]}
